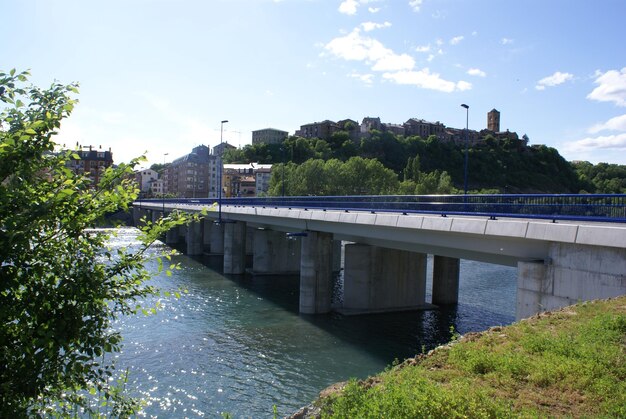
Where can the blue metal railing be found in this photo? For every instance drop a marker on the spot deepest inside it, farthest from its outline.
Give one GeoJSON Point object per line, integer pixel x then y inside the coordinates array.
{"type": "Point", "coordinates": [606, 208]}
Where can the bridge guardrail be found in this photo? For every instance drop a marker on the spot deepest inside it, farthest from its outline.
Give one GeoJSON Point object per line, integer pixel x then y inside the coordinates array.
{"type": "Point", "coordinates": [589, 207]}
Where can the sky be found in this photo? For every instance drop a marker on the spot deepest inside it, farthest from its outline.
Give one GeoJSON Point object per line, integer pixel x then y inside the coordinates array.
{"type": "Point", "coordinates": [158, 76]}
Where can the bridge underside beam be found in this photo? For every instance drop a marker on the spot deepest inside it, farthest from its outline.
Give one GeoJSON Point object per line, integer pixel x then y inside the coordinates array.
{"type": "Point", "coordinates": [572, 273]}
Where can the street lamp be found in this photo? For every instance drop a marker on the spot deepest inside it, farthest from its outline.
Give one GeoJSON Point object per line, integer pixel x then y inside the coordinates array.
{"type": "Point", "coordinates": [163, 185]}
{"type": "Point", "coordinates": [219, 175]}
{"type": "Point", "coordinates": [466, 143]}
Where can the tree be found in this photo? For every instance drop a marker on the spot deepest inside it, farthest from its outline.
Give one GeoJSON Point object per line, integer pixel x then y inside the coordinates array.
{"type": "Point", "coordinates": [60, 288]}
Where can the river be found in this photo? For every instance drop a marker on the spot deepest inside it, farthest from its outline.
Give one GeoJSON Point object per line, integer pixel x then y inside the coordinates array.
{"type": "Point", "coordinates": [238, 344]}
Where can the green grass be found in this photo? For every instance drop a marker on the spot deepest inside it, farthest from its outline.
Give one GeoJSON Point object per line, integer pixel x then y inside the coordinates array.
{"type": "Point", "coordinates": [571, 363]}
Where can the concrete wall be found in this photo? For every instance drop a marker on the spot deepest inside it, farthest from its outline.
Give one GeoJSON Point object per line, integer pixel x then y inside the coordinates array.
{"type": "Point", "coordinates": [572, 273]}
{"type": "Point", "coordinates": [275, 253]}
{"type": "Point", "coordinates": [316, 273]}
{"type": "Point", "coordinates": [377, 279]}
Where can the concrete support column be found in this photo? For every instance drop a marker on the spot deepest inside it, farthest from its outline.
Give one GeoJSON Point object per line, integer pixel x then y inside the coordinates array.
{"type": "Point", "coordinates": [172, 237]}
{"type": "Point", "coordinates": [250, 233]}
{"type": "Point", "coordinates": [138, 214]}
{"type": "Point", "coordinates": [275, 253]}
{"type": "Point", "coordinates": [316, 273]}
{"type": "Point", "coordinates": [572, 273]}
{"type": "Point", "coordinates": [207, 225]}
{"type": "Point", "coordinates": [446, 280]}
{"type": "Point", "coordinates": [337, 248]}
{"type": "Point", "coordinates": [156, 214]}
{"type": "Point", "coordinates": [235, 248]}
{"type": "Point", "coordinates": [216, 239]}
{"type": "Point", "coordinates": [377, 279]}
{"type": "Point", "coordinates": [194, 239]}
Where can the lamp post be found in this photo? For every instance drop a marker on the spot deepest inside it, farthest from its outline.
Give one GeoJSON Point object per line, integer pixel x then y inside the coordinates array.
{"type": "Point", "coordinates": [219, 174]}
{"type": "Point", "coordinates": [282, 149]}
{"type": "Point", "coordinates": [163, 185]}
{"type": "Point", "coordinates": [466, 145]}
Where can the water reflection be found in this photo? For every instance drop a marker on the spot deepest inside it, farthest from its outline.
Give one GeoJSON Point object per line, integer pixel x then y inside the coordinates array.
{"type": "Point", "coordinates": [239, 345]}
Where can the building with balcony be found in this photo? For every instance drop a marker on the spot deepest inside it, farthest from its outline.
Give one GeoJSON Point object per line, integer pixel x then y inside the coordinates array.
{"type": "Point", "coordinates": [194, 175]}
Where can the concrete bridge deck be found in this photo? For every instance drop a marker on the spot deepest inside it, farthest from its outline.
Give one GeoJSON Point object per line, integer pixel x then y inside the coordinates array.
{"type": "Point", "coordinates": [559, 263]}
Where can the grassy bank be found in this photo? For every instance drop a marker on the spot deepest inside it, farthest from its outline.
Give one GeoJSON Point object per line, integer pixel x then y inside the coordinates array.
{"type": "Point", "coordinates": [571, 362]}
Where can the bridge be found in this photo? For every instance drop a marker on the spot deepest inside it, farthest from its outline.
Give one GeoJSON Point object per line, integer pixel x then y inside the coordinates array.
{"type": "Point", "coordinates": [566, 248]}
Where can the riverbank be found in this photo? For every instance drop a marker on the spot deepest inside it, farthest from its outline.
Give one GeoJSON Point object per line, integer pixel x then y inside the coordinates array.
{"type": "Point", "coordinates": [570, 362]}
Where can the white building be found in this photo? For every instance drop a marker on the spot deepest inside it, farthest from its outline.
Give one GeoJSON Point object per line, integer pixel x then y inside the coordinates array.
{"type": "Point", "coordinates": [145, 178]}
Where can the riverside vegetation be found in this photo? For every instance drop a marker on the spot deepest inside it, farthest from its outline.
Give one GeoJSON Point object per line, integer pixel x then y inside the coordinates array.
{"type": "Point", "coordinates": [566, 363]}
{"type": "Point", "coordinates": [384, 163]}
{"type": "Point", "coordinates": [61, 288]}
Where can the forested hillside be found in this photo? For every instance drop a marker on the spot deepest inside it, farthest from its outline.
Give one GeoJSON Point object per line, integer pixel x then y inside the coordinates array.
{"type": "Point", "coordinates": [390, 164]}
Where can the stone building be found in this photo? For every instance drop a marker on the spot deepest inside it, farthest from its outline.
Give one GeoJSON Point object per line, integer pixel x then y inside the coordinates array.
{"type": "Point", "coordinates": [269, 136]}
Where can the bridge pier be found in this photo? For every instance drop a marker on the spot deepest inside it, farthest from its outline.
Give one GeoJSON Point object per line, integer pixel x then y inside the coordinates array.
{"type": "Point", "coordinates": [572, 273]}
{"type": "Point", "coordinates": [207, 225]}
{"type": "Point", "coordinates": [194, 239]}
{"type": "Point", "coordinates": [156, 214]}
{"type": "Point", "coordinates": [234, 247]}
{"type": "Point", "coordinates": [378, 279]}
{"type": "Point", "coordinates": [216, 238]}
{"type": "Point", "coordinates": [445, 280]}
{"type": "Point", "coordinates": [275, 253]}
{"type": "Point", "coordinates": [172, 237]}
{"type": "Point", "coordinates": [316, 272]}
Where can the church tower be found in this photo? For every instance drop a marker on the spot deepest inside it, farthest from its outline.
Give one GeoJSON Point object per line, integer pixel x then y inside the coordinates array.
{"type": "Point", "coordinates": [493, 120]}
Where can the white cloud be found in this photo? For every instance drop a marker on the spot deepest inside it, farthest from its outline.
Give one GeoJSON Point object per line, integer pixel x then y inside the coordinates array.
{"type": "Point", "coordinates": [607, 142]}
{"type": "Point", "coordinates": [354, 47]}
{"type": "Point", "coordinates": [370, 26]}
{"type": "Point", "coordinates": [430, 57]}
{"type": "Point", "coordinates": [365, 78]}
{"type": "Point", "coordinates": [397, 68]}
{"type": "Point", "coordinates": [348, 7]}
{"type": "Point", "coordinates": [456, 40]}
{"type": "Point", "coordinates": [617, 123]}
{"type": "Point", "coordinates": [427, 80]}
{"type": "Point", "coordinates": [373, 9]}
{"type": "Point", "coordinates": [553, 80]}
{"type": "Point", "coordinates": [611, 87]}
{"type": "Point", "coordinates": [476, 72]}
{"type": "Point", "coordinates": [423, 48]}
{"type": "Point", "coordinates": [415, 5]}
{"type": "Point", "coordinates": [506, 41]}
{"type": "Point", "coordinates": [394, 62]}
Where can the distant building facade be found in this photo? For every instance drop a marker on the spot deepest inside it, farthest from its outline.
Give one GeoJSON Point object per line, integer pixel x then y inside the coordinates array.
{"type": "Point", "coordinates": [219, 149]}
{"type": "Point", "coordinates": [493, 120]}
{"type": "Point", "coordinates": [91, 163]}
{"type": "Point", "coordinates": [145, 178]}
{"type": "Point", "coordinates": [322, 130]}
{"type": "Point", "coordinates": [193, 175]}
{"type": "Point", "coordinates": [269, 136]}
{"type": "Point", "coordinates": [246, 180]}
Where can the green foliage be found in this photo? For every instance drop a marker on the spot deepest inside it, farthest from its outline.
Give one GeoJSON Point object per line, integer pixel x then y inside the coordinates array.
{"type": "Point", "coordinates": [60, 286]}
{"type": "Point", "coordinates": [357, 176]}
{"type": "Point", "coordinates": [602, 177]}
{"type": "Point", "coordinates": [570, 363]}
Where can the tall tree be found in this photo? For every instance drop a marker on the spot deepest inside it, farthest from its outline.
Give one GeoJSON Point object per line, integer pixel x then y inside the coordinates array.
{"type": "Point", "coordinates": [60, 288]}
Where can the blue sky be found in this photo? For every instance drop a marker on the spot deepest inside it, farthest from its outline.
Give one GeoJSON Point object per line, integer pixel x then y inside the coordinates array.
{"type": "Point", "coordinates": [160, 75]}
